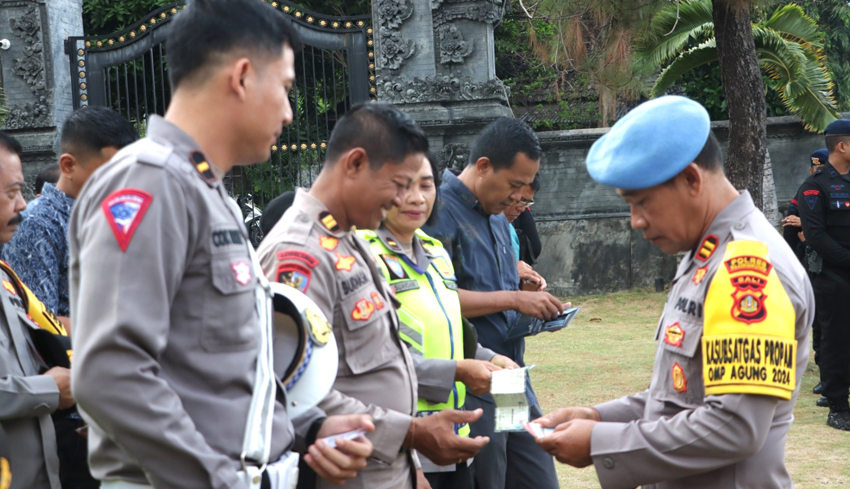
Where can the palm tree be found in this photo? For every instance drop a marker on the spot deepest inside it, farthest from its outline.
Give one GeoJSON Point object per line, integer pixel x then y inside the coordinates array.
{"type": "Point", "coordinates": [789, 48]}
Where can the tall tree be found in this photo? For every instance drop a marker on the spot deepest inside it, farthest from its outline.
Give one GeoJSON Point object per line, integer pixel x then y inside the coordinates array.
{"type": "Point", "coordinates": [789, 47]}
{"type": "Point", "coordinates": [741, 77]}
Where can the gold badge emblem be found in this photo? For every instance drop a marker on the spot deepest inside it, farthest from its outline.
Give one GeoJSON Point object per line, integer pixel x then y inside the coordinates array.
{"type": "Point", "coordinates": [674, 334]}
{"type": "Point", "coordinates": [749, 296]}
{"type": "Point", "coordinates": [320, 330]}
{"type": "Point", "coordinates": [5, 474]}
{"type": "Point", "coordinates": [680, 382]}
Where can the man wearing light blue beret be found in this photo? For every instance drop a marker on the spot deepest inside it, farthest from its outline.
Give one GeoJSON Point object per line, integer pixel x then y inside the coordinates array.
{"type": "Point", "coordinates": [733, 338]}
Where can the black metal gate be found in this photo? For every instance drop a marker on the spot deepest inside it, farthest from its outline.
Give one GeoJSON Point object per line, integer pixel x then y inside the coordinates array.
{"type": "Point", "coordinates": [127, 71]}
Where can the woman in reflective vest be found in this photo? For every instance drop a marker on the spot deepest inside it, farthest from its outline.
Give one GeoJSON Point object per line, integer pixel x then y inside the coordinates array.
{"type": "Point", "coordinates": [446, 356]}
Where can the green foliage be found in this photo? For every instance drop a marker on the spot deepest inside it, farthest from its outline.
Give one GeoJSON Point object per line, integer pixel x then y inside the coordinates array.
{"type": "Point", "coordinates": [833, 18]}
{"type": "Point", "coordinates": [788, 47]}
{"type": "Point", "coordinates": [107, 16]}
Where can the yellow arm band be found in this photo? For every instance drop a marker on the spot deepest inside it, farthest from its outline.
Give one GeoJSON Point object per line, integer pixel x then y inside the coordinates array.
{"type": "Point", "coordinates": [748, 342]}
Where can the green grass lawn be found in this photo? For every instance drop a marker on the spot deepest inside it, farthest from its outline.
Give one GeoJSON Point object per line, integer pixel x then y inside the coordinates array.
{"type": "Point", "coordinates": [607, 352]}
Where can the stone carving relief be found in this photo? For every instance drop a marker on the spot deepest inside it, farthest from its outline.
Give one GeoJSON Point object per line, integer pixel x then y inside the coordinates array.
{"type": "Point", "coordinates": [441, 88]}
{"type": "Point", "coordinates": [394, 48]}
{"type": "Point", "coordinates": [435, 4]}
{"type": "Point", "coordinates": [31, 68]}
{"type": "Point", "coordinates": [453, 47]}
{"type": "Point", "coordinates": [454, 156]}
{"type": "Point", "coordinates": [481, 12]}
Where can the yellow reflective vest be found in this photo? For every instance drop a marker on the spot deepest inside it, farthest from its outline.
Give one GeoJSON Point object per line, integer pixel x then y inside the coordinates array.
{"type": "Point", "coordinates": [431, 322]}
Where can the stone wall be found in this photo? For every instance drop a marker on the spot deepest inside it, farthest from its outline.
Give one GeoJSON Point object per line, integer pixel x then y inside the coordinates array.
{"type": "Point", "coordinates": [588, 244]}
{"type": "Point", "coordinates": [36, 74]}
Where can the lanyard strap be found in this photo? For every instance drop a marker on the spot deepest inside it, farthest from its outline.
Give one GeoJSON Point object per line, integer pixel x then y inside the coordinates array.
{"type": "Point", "coordinates": [256, 444]}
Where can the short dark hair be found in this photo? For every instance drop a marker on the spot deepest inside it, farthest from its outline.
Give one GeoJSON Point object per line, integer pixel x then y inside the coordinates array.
{"type": "Point", "coordinates": [11, 144]}
{"type": "Point", "coordinates": [435, 168]}
{"type": "Point", "coordinates": [48, 174]}
{"type": "Point", "coordinates": [90, 129]}
{"type": "Point", "coordinates": [710, 158]}
{"type": "Point", "coordinates": [387, 134]}
{"type": "Point", "coordinates": [207, 29]}
{"type": "Point", "coordinates": [832, 141]}
{"type": "Point", "coordinates": [502, 139]}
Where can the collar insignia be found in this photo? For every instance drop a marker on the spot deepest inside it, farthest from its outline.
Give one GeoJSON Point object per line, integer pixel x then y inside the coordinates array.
{"type": "Point", "coordinates": [202, 166]}
{"type": "Point", "coordinates": [707, 248]}
{"type": "Point", "coordinates": [329, 221]}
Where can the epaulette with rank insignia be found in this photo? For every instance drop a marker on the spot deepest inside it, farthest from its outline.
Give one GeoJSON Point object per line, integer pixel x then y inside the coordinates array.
{"type": "Point", "coordinates": [329, 221]}
{"type": "Point", "coordinates": [202, 166]}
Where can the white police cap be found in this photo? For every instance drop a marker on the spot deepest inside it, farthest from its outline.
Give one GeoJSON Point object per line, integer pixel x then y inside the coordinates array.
{"type": "Point", "coordinates": [651, 144]}
{"type": "Point", "coordinates": [305, 352]}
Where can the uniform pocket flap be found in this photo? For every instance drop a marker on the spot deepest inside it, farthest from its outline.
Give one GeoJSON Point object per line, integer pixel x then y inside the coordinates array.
{"type": "Point", "coordinates": [363, 309]}
{"type": "Point", "coordinates": [681, 335]}
{"type": "Point", "coordinates": [233, 273]}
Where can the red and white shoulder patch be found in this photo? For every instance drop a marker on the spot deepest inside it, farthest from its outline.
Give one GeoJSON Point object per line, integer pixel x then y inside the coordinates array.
{"type": "Point", "coordinates": [124, 210]}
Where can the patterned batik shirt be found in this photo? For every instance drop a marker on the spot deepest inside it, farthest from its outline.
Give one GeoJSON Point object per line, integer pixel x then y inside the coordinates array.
{"type": "Point", "coordinates": [38, 252]}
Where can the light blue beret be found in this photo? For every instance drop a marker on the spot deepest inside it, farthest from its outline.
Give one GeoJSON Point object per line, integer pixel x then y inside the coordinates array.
{"type": "Point", "coordinates": [651, 144]}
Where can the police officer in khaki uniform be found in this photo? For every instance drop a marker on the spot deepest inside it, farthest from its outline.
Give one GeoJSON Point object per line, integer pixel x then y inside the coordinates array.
{"type": "Point", "coordinates": [29, 390]}
{"type": "Point", "coordinates": [374, 154]}
{"type": "Point", "coordinates": [167, 326]}
{"type": "Point", "coordinates": [733, 337]}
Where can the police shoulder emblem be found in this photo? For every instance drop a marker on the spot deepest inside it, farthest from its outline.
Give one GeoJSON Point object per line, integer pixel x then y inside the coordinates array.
{"type": "Point", "coordinates": [706, 249]}
{"type": "Point", "coordinates": [743, 352]}
{"type": "Point", "coordinates": [202, 166]}
{"type": "Point", "coordinates": [124, 210]}
{"type": "Point", "coordinates": [319, 328]}
{"type": "Point", "coordinates": [749, 275]}
{"type": "Point", "coordinates": [393, 264]}
{"type": "Point", "coordinates": [328, 221]}
{"type": "Point", "coordinates": [294, 275]}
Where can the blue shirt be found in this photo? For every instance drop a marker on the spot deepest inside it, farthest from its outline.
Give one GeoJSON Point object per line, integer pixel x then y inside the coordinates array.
{"type": "Point", "coordinates": [38, 252]}
{"type": "Point", "coordinates": [483, 258]}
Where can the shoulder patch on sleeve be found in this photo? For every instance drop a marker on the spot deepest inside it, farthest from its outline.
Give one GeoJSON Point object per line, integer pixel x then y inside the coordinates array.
{"type": "Point", "coordinates": [748, 342]}
{"type": "Point", "coordinates": [124, 210]}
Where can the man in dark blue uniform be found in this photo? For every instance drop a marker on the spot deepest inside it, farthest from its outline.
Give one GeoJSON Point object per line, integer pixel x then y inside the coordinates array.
{"type": "Point", "coordinates": [793, 234]}
{"type": "Point", "coordinates": [824, 204]}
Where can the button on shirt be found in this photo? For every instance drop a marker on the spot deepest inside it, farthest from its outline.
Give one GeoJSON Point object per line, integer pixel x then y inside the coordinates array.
{"type": "Point", "coordinates": [483, 257]}
{"type": "Point", "coordinates": [39, 250]}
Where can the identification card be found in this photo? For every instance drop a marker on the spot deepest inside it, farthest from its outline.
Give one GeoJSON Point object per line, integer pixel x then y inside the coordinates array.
{"type": "Point", "coordinates": [508, 390]}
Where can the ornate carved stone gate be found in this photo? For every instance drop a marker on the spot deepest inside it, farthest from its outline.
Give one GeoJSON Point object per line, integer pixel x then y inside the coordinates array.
{"type": "Point", "coordinates": [127, 71]}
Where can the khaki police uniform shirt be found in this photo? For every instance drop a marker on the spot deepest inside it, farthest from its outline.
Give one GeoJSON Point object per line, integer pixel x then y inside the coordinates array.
{"type": "Point", "coordinates": [26, 398]}
{"type": "Point", "coordinates": [166, 331]}
{"type": "Point", "coordinates": [673, 435]}
{"type": "Point", "coordinates": [307, 250]}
